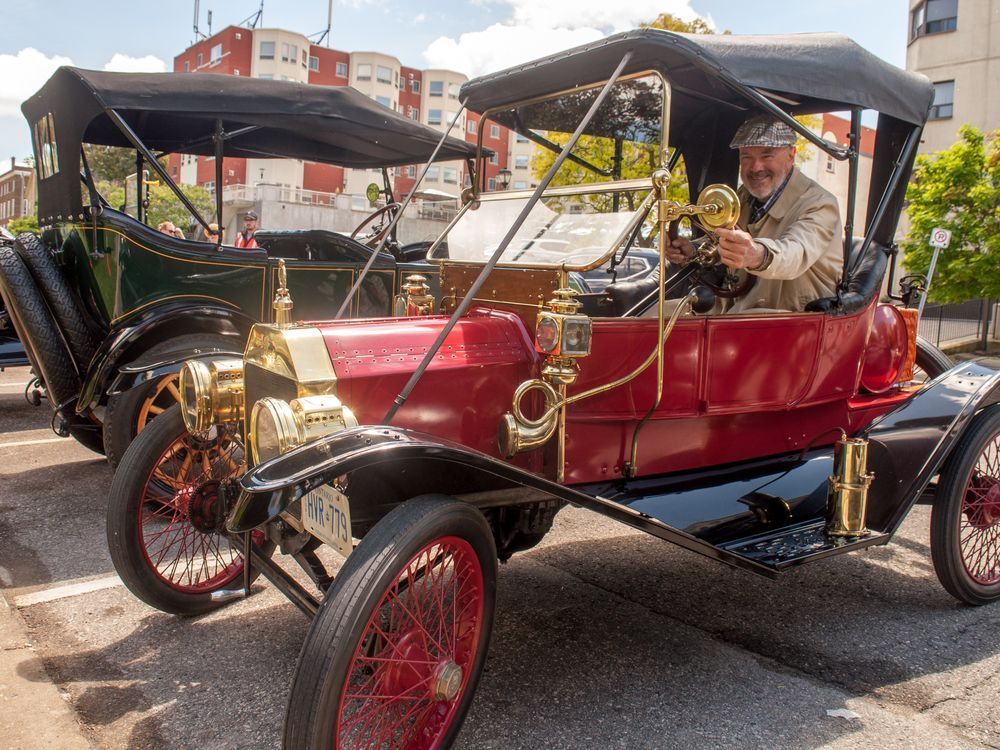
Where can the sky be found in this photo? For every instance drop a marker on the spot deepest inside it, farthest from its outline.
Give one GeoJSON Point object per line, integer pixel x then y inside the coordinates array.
{"type": "Point", "coordinates": [473, 37]}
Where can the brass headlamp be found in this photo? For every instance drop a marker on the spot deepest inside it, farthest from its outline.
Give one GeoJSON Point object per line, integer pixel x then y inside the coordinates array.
{"type": "Point", "coordinates": [211, 394]}
{"type": "Point", "coordinates": [563, 335]}
{"type": "Point", "coordinates": [277, 426]}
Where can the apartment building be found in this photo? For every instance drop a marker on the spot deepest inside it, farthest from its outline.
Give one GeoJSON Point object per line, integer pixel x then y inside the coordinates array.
{"type": "Point", "coordinates": [17, 192]}
{"type": "Point", "coordinates": [956, 43]}
{"type": "Point", "coordinates": [428, 96]}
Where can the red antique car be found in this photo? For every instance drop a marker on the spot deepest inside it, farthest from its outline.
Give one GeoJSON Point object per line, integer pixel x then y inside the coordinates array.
{"type": "Point", "coordinates": [444, 442]}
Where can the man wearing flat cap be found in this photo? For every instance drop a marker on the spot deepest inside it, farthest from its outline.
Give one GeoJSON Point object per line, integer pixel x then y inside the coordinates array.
{"type": "Point", "coordinates": [247, 238]}
{"type": "Point", "coordinates": [792, 243]}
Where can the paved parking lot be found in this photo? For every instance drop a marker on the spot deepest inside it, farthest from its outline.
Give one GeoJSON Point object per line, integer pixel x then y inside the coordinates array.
{"type": "Point", "coordinates": [605, 638]}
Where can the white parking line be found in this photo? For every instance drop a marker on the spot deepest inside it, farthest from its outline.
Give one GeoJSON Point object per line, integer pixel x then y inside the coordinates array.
{"type": "Point", "coordinates": [32, 442]}
{"type": "Point", "coordinates": [66, 590]}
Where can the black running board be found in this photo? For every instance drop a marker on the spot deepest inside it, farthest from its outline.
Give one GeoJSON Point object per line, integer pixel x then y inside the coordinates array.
{"type": "Point", "coordinates": [799, 544]}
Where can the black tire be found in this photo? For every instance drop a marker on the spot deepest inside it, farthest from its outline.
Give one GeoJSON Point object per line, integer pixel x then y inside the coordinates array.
{"type": "Point", "coordinates": [37, 329]}
{"type": "Point", "coordinates": [930, 360]}
{"type": "Point", "coordinates": [59, 297]}
{"type": "Point", "coordinates": [125, 410]}
{"type": "Point", "coordinates": [152, 488]}
{"type": "Point", "coordinates": [965, 519]}
{"type": "Point", "coordinates": [342, 636]}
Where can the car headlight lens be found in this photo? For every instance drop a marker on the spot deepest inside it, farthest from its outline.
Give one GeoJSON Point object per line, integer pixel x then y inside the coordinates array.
{"type": "Point", "coordinates": [196, 401]}
{"type": "Point", "coordinates": [211, 394]}
{"type": "Point", "coordinates": [547, 334]}
{"type": "Point", "coordinates": [277, 426]}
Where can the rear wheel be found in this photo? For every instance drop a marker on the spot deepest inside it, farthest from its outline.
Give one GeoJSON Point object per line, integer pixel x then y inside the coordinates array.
{"type": "Point", "coordinates": [394, 655]}
{"type": "Point", "coordinates": [166, 513]}
{"type": "Point", "coordinates": [965, 520]}
{"type": "Point", "coordinates": [930, 361]}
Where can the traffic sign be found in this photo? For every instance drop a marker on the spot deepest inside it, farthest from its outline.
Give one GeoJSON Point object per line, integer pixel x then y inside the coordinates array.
{"type": "Point", "coordinates": [940, 237]}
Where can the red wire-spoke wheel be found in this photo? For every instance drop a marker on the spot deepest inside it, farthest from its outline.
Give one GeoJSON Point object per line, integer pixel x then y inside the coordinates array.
{"type": "Point", "coordinates": [394, 655]}
{"type": "Point", "coordinates": [166, 516]}
{"type": "Point", "coordinates": [965, 521]}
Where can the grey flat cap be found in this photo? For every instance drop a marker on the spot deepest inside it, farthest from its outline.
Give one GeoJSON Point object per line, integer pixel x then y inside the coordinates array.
{"type": "Point", "coordinates": [762, 130]}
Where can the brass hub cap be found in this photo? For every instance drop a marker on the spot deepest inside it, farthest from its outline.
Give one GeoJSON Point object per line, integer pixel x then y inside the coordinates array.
{"type": "Point", "coordinates": [447, 681]}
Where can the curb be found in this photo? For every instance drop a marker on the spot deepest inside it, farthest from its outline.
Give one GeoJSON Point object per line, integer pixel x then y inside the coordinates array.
{"type": "Point", "coordinates": [33, 713]}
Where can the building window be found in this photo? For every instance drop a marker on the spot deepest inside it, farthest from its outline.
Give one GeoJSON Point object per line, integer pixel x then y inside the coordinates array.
{"type": "Point", "coordinates": [452, 116]}
{"type": "Point", "coordinates": [364, 72]}
{"type": "Point", "coordinates": [944, 100]}
{"type": "Point", "coordinates": [491, 184]}
{"type": "Point", "coordinates": [453, 90]}
{"type": "Point", "coordinates": [305, 59]}
{"type": "Point", "coordinates": [413, 113]}
{"type": "Point", "coordinates": [436, 88]}
{"type": "Point", "coordinates": [266, 76]}
{"type": "Point", "coordinates": [521, 161]}
{"type": "Point", "coordinates": [383, 74]}
{"type": "Point", "coordinates": [267, 50]}
{"type": "Point", "coordinates": [313, 62]}
{"type": "Point", "coordinates": [199, 59]}
{"type": "Point", "coordinates": [450, 174]}
{"type": "Point", "coordinates": [520, 184]}
{"type": "Point", "coordinates": [933, 17]}
{"type": "Point", "coordinates": [411, 171]}
{"type": "Point", "coordinates": [432, 173]}
{"type": "Point", "coordinates": [385, 101]}
{"type": "Point", "coordinates": [494, 158]}
{"type": "Point", "coordinates": [831, 165]}
{"type": "Point", "coordinates": [472, 127]}
{"type": "Point", "coordinates": [187, 66]}
{"type": "Point", "coordinates": [494, 131]}
{"type": "Point", "coordinates": [402, 83]}
{"type": "Point", "coordinates": [236, 71]}
{"type": "Point", "coordinates": [216, 54]}
{"type": "Point", "coordinates": [209, 186]}
{"type": "Point", "coordinates": [415, 85]}
{"type": "Point", "coordinates": [521, 138]}
{"type": "Point", "coordinates": [341, 70]}
{"type": "Point", "coordinates": [434, 117]}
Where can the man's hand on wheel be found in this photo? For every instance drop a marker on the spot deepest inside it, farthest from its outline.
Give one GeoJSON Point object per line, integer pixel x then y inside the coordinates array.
{"type": "Point", "coordinates": [738, 249]}
{"type": "Point", "coordinates": [679, 251]}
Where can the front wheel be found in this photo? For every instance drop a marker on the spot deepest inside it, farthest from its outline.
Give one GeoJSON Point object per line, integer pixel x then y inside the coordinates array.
{"type": "Point", "coordinates": [965, 519]}
{"type": "Point", "coordinates": [166, 513]}
{"type": "Point", "coordinates": [394, 655]}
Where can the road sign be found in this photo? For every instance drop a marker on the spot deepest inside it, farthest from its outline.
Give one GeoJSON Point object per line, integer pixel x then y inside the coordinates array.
{"type": "Point", "coordinates": [940, 237]}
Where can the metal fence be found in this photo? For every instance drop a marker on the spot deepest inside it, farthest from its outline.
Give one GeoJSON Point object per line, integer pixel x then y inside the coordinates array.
{"type": "Point", "coordinates": [972, 320]}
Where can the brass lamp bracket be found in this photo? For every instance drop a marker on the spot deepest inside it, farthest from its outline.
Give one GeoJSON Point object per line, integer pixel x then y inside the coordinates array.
{"type": "Point", "coordinates": [416, 298]}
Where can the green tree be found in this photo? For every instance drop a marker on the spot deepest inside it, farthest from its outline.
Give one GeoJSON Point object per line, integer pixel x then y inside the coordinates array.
{"type": "Point", "coordinates": [958, 189]}
{"type": "Point", "coordinates": [23, 224]}
{"type": "Point", "coordinates": [165, 206]}
{"type": "Point", "coordinates": [670, 22]}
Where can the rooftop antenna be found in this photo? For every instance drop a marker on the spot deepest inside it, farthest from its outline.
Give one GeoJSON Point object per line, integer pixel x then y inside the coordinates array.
{"type": "Point", "coordinates": [210, 23]}
{"type": "Point", "coordinates": [325, 35]}
{"type": "Point", "coordinates": [252, 20]}
{"type": "Point", "coordinates": [197, 33]}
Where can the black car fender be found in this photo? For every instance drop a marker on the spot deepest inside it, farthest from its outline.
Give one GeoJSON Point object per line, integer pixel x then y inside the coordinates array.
{"type": "Point", "coordinates": [126, 344]}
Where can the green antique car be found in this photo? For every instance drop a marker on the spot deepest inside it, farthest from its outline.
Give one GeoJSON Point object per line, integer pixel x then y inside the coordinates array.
{"type": "Point", "coordinates": [108, 308]}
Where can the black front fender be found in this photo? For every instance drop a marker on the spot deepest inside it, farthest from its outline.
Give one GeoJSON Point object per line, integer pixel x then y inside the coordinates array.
{"type": "Point", "coordinates": [152, 326]}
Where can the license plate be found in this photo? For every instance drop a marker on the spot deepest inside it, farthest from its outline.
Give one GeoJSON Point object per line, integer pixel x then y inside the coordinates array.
{"type": "Point", "coordinates": [326, 514]}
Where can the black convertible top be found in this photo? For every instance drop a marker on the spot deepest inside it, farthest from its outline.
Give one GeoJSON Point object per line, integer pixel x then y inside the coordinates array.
{"type": "Point", "coordinates": [176, 113]}
{"type": "Point", "coordinates": [814, 72]}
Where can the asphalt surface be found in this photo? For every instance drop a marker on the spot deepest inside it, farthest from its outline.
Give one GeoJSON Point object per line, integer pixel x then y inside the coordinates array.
{"type": "Point", "coordinates": [604, 638]}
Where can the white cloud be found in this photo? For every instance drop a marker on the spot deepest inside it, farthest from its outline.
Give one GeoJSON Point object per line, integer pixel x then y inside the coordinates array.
{"type": "Point", "coordinates": [21, 75]}
{"type": "Point", "coordinates": [420, 18]}
{"type": "Point", "coordinates": [125, 64]}
{"type": "Point", "coordinates": [535, 29]}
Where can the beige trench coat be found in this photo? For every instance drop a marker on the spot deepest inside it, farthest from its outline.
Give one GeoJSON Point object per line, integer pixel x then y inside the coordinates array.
{"type": "Point", "coordinates": [805, 236]}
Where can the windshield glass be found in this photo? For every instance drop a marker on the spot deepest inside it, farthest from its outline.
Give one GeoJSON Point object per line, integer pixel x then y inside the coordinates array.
{"type": "Point", "coordinates": [621, 142]}
{"type": "Point", "coordinates": [576, 230]}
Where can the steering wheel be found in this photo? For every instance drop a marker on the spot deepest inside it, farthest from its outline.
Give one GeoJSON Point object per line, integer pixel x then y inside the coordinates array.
{"type": "Point", "coordinates": [732, 285]}
{"type": "Point", "coordinates": [384, 216]}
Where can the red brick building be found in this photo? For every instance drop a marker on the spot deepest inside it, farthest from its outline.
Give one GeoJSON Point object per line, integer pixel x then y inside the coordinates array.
{"type": "Point", "coordinates": [430, 97]}
{"type": "Point", "coordinates": [17, 192]}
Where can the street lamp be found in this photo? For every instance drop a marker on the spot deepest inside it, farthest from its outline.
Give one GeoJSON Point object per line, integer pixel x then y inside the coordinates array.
{"type": "Point", "coordinates": [503, 178]}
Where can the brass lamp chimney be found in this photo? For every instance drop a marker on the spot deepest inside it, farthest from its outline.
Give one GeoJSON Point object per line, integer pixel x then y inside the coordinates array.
{"type": "Point", "coordinates": [282, 304]}
{"type": "Point", "coordinates": [847, 501]}
{"type": "Point", "coordinates": [416, 299]}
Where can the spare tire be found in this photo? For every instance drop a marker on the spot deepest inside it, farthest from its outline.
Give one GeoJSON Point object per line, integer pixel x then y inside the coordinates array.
{"type": "Point", "coordinates": [37, 329]}
{"type": "Point", "coordinates": [60, 298]}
